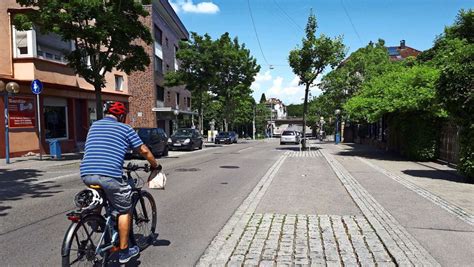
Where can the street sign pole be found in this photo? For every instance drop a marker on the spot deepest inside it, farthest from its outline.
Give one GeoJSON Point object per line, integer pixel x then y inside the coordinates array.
{"type": "Point", "coordinates": [36, 88]}
{"type": "Point", "coordinates": [39, 124]}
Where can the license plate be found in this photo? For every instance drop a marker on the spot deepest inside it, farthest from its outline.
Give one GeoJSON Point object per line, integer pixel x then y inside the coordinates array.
{"type": "Point", "coordinates": [176, 144]}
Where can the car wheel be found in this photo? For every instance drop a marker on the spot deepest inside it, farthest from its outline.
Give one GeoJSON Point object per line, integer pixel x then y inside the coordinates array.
{"type": "Point", "coordinates": [200, 147]}
{"type": "Point", "coordinates": [165, 152]}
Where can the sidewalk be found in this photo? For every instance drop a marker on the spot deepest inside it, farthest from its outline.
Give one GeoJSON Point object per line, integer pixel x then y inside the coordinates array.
{"type": "Point", "coordinates": [34, 162]}
{"type": "Point", "coordinates": [332, 206]}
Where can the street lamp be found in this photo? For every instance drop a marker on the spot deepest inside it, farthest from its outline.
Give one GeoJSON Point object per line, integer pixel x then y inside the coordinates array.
{"type": "Point", "coordinates": [337, 136]}
{"type": "Point", "coordinates": [7, 90]}
{"type": "Point", "coordinates": [176, 113]}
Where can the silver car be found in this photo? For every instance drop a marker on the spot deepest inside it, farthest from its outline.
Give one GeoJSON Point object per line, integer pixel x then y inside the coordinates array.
{"type": "Point", "coordinates": [289, 137]}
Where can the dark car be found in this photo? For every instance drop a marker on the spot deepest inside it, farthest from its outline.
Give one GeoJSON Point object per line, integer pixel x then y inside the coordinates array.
{"type": "Point", "coordinates": [155, 139]}
{"type": "Point", "coordinates": [226, 138]}
{"type": "Point", "coordinates": [186, 138]}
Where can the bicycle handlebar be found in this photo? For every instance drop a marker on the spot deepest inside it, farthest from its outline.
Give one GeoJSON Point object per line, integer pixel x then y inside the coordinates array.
{"type": "Point", "coordinates": [134, 167]}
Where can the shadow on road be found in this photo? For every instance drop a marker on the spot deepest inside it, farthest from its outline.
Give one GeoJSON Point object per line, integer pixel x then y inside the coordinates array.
{"type": "Point", "coordinates": [368, 152]}
{"type": "Point", "coordinates": [16, 184]}
{"type": "Point", "coordinates": [290, 148]}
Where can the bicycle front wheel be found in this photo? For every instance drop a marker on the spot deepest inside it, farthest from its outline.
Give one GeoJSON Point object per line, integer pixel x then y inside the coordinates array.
{"type": "Point", "coordinates": [80, 243]}
{"type": "Point", "coordinates": [144, 219]}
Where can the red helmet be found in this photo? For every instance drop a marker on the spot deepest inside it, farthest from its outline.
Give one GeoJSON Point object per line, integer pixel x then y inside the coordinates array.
{"type": "Point", "coordinates": [115, 108]}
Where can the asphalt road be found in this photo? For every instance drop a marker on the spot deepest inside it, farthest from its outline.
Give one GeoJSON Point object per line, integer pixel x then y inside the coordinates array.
{"type": "Point", "coordinates": [204, 188]}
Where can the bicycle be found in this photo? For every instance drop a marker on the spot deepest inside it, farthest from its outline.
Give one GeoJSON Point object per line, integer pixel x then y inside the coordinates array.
{"type": "Point", "coordinates": [92, 237]}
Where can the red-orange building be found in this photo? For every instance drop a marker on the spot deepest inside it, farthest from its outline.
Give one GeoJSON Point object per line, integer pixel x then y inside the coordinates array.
{"type": "Point", "coordinates": [67, 102]}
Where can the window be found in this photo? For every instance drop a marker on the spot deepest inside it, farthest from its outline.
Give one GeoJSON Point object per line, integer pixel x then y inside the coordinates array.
{"type": "Point", "coordinates": [21, 43]}
{"type": "Point", "coordinates": [177, 99]}
{"type": "Point", "coordinates": [55, 118]}
{"type": "Point", "coordinates": [166, 42]}
{"type": "Point", "coordinates": [175, 59]}
{"type": "Point", "coordinates": [188, 102]}
{"type": "Point", "coordinates": [158, 64]}
{"type": "Point", "coordinates": [167, 67]}
{"type": "Point", "coordinates": [118, 83]}
{"type": "Point", "coordinates": [158, 34]}
{"type": "Point", "coordinates": [160, 93]}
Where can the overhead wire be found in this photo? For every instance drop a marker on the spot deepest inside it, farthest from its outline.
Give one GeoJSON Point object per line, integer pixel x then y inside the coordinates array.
{"type": "Point", "coordinates": [288, 16]}
{"type": "Point", "coordinates": [350, 20]}
{"type": "Point", "coordinates": [256, 34]}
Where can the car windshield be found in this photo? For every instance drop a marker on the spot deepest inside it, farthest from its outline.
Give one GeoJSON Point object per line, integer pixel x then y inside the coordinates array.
{"type": "Point", "coordinates": [288, 133]}
{"type": "Point", "coordinates": [183, 133]}
{"type": "Point", "coordinates": [223, 134]}
{"type": "Point", "coordinates": [144, 134]}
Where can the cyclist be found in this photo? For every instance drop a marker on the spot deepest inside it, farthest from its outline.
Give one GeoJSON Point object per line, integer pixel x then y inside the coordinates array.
{"type": "Point", "coordinates": [107, 142]}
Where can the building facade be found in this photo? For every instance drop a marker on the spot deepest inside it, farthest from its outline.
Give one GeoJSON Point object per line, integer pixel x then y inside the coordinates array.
{"type": "Point", "coordinates": [152, 104]}
{"type": "Point", "coordinates": [67, 102]}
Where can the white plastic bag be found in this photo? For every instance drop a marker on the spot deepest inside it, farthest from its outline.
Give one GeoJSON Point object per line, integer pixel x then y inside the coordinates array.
{"type": "Point", "coordinates": [158, 182]}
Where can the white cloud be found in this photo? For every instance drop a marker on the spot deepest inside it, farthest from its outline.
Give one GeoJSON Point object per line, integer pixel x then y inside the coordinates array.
{"type": "Point", "coordinates": [187, 6]}
{"type": "Point", "coordinates": [263, 77]}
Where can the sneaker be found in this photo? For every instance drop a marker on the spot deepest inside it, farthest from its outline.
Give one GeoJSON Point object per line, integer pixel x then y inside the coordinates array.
{"type": "Point", "coordinates": [126, 254]}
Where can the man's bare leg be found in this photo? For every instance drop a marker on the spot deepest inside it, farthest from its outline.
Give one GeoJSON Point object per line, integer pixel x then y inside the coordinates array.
{"type": "Point", "coordinates": [124, 229]}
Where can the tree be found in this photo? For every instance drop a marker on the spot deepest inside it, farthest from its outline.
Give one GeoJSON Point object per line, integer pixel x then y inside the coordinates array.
{"type": "Point", "coordinates": [263, 99]}
{"type": "Point", "coordinates": [309, 61]}
{"type": "Point", "coordinates": [295, 110]}
{"type": "Point", "coordinates": [106, 35]}
{"type": "Point", "coordinates": [453, 53]}
{"type": "Point", "coordinates": [222, 67]}
{"type": "Point", "coordinates": [236, 70]}
{"type": "Point", "coordinates": [346, 80]}
{"type": "Point", "coordinates": [197, 69]}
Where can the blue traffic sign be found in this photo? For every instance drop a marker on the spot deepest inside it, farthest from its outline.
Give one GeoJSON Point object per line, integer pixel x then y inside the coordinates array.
{"type": "Point", "coordinates": [36, 87]}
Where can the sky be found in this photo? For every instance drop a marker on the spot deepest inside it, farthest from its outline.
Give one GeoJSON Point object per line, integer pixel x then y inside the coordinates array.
{"type": "Point", "coordinates": [270, 29]}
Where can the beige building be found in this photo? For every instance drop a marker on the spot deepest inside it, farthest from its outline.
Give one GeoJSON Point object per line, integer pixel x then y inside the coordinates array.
{"type": "Point", "coordinates": [67, 105]}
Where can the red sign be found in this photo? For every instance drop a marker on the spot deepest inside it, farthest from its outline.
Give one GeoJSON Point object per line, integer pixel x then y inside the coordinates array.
{"type": "Point", "coordinates": [21, 111]}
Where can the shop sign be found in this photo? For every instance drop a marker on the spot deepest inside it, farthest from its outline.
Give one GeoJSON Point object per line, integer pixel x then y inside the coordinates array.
{"type": "Point", "coordinates": [21, 112]}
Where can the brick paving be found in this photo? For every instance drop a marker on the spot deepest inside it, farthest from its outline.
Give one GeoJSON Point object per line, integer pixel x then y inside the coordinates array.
{"type": "Point", "coordinates": [308, 240]}
{"type": "Point", "coordinates": [268, 239]}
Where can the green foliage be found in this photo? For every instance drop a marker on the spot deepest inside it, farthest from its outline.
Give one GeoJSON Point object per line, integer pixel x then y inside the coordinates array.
{"type": "Point", "coordinates": [262, 114]}
{"type": "Point", "coordinates": [466, 159]}
{"type": "Point", "coordinates": [400, 90]}
{"type": "Point", "coordinates": [295, 110]}
{"type": "Point", "coordinates": [223, 67]}
{"type": "Point", "coordinates": [106, 32]}
{"type": "Point", "coordinates": [343, 82]}
{"type": "Point", "coordinates": [314, 56]}
{"type": "Point", "coordinates": [417, 133]}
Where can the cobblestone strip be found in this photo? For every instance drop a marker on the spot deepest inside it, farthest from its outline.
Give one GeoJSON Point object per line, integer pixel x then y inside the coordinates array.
{"type": "Point", "coordinates": [405, 249]}
{"type": "Point", "coordinates": [315, 242]}
{"type": "Point", "coordinates": [450, 207]}
{"type": "Point", "coordinates": [303, 154]}
{"type": "Point", "coordinates": [357, 238]}
{"type": "Point", "coordinates": [331, 251]}
{"type": "Point", "coordinates": [346, 251]}
{"type": "Point", "coordinates": [222, 246]}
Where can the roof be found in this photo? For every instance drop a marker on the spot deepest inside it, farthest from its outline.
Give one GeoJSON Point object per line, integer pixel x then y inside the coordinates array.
{"type": "Point", "coordinates": [400, 53]}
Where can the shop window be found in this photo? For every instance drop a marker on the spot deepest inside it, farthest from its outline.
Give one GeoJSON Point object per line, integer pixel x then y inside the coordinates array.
{"type": "Point", "coordinates": [55, 118]}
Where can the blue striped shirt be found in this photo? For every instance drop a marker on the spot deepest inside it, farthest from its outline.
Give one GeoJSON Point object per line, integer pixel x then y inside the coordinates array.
{"type": "Point", "coordinates": [107, 142]}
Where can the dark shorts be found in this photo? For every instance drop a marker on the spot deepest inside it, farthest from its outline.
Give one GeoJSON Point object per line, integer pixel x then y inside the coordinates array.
{"type": "Point", "coordinates": [117, 191]}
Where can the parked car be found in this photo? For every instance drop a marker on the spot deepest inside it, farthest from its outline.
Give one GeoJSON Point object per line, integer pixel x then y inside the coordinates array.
{"type": "Point", "coordinates": [185, 138]}
{"type": "Point", "coordinates": [292, 137]}
{"type": "Point", "coordinates": [155, 139]}
{"type": "Point", "coordinates": [226, 138]}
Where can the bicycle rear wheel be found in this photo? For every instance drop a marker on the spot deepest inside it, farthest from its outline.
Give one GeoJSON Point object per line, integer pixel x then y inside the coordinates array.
{"type": "Point", "coordinates": [81, 241]}
{"type": "Point", "coordinates": [144, 219]}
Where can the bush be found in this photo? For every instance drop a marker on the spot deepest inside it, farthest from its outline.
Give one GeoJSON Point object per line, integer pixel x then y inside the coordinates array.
{"type": "Point", "coordinates": [466, 157]}
{"type": "Point", "coordinates": [418, 135]}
